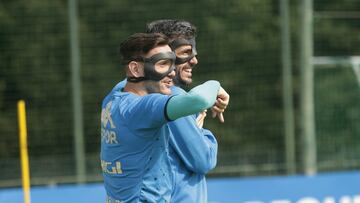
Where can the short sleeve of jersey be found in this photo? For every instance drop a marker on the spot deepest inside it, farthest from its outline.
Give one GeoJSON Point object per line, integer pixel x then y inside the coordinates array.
{"type": "Point", "coordinates": [177, 90]}
{"type": "Point", "coordinates": [146, 113]}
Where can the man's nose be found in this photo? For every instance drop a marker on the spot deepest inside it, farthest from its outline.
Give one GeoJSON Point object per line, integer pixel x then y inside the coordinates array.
{"type": "Point", "coordinates": [194, 60]}
{"type": "Point", "coordinates": [172, 74]}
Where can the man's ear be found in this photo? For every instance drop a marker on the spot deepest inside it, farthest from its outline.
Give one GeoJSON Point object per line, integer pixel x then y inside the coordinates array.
{"type": "Point", "coordinates": [136, 69]}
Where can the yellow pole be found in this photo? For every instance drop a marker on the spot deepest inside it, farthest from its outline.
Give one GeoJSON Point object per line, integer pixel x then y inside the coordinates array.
{"type": "Point", "coordinates": [24, 151]}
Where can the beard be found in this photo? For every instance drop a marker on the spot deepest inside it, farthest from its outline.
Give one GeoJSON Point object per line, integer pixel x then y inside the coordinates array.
{"type": "Point", "coordinates": [178, 80]}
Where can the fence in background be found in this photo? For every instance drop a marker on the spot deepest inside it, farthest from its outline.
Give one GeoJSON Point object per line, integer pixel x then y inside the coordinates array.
{"type": "Point", "coordinates": [239, 44]}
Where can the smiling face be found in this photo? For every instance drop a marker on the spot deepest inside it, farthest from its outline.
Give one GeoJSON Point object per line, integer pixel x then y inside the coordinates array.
{"type": "Point", "coordinates": [162, 66]}
{"type": "Point", "coordinates": [184, 70]}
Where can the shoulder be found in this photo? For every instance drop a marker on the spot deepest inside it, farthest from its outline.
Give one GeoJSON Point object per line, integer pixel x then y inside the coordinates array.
{"type": "Point", "coordinates": [115, 90]}
{"type": "Point", "coordinates": [119, 86]}
{"type": "Point", "coordinates": [154, 99]}
{"type": "Point", "coordinates": [123, 99]}
{"type": "Point", "coordinates": [131, 102]}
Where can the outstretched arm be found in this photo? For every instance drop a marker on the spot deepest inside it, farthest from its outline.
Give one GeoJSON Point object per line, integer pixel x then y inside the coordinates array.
{"type": "Point", "coordinates": [197, 99]}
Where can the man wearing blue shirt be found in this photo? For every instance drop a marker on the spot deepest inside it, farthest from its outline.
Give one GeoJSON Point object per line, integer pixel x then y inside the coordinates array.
{"type": "Point", "coordinates": [194, 155]}
{"type": "Point", "coordinates": [134, 121]}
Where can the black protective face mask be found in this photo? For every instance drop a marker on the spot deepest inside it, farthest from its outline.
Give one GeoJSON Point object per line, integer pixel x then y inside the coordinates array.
{"type": "Point", "coordinates": [149, 67]}
{"type": "Point", "coordinates": [180, 42]}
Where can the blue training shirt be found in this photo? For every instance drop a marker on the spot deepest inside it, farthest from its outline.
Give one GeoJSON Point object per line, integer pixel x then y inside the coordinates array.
{"type": "Point", "coordinates": [193, 152]}
{"type": "Point", "coordinates": [134, 148]}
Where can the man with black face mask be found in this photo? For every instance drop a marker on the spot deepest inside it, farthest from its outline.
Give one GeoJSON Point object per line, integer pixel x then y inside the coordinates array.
{"type": "Point", "coordinates": [134, 121]}
{"type": "Point", "coordinates": [194, 155]}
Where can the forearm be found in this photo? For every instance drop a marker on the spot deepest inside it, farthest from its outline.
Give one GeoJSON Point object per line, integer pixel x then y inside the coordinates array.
{"type": "Point", "coordinates": [197, 99]}
{"type": "Point", "coordinates": [196, 147]}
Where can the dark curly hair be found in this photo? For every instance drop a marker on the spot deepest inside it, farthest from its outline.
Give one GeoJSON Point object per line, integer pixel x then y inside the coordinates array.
{"type": "Point", "coordinates": [172, 28]}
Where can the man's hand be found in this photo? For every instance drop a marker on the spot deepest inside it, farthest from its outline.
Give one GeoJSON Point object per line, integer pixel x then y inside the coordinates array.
{"type": "Point", "coordinates": [200, 119]}
{"type": "Point", "coordinates": [220, 105]}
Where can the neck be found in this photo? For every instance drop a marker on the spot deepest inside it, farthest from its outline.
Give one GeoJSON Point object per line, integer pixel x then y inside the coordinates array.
{"type": "Point", "coordinates": [136, 88]}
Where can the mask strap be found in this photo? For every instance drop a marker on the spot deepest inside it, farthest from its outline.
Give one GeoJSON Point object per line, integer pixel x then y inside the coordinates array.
{"type": "Point", "coordinates": [135, 79]}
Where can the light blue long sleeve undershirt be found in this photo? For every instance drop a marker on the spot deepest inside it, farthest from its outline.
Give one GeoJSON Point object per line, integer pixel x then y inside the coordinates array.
{"type": "Point", "coordinates": [197, 99]}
